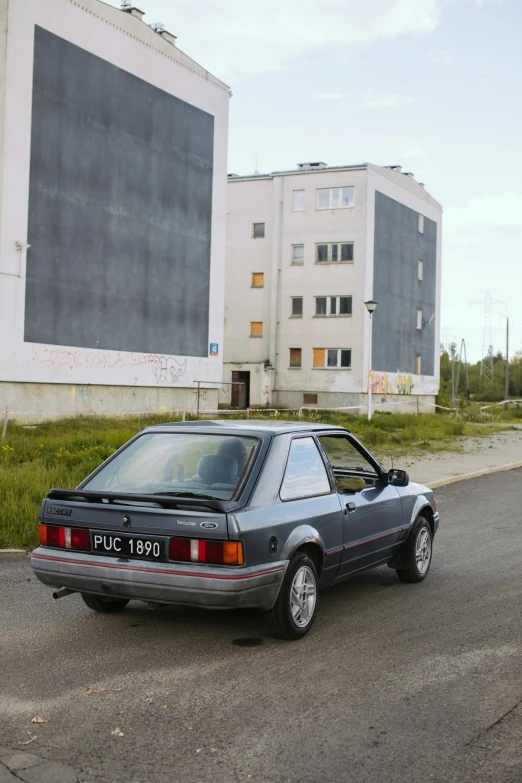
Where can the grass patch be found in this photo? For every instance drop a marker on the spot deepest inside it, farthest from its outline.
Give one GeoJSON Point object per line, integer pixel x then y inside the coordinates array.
{"type": "Point", "coordinates": [62, 453]}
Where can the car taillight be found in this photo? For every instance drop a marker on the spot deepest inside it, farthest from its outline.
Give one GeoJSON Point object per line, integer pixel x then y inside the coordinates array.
{"type": "Point", "coordinates": [198, 550]}
{"type": "Point", "coordinates": [64, 537]}
{"type": "Point", "coordinates": [434, 504]}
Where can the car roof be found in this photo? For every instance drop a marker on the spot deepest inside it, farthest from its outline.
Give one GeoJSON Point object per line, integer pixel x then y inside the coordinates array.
{"type": "Point", "coordinates": [267, 426]}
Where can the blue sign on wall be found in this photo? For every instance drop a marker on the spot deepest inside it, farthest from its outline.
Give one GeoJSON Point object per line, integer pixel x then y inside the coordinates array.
{"type": "Point", "coordinates": [214, 349]}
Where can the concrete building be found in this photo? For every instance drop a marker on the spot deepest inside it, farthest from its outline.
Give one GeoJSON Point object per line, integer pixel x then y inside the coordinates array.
{"type": "Point", "coordinates": [305, 249]}
{"type": "Point", "coordinates": [113, 151]}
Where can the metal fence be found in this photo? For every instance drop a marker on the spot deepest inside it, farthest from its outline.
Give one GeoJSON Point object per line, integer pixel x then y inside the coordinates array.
{"type": "Point", "coordinates": [7, 414]}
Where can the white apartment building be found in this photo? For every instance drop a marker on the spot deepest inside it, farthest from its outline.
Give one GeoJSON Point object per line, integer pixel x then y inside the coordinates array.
{"type": "Point", "coordinates": [113, 177]}
{"type": "Point", "coordinates": [305, 249]}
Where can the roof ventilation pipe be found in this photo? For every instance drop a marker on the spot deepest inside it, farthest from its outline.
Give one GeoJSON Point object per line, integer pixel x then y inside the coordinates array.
{"type": "Point", "coordinates": [159, 28]}
{"type": "Point", "coordinates": [127, 6]}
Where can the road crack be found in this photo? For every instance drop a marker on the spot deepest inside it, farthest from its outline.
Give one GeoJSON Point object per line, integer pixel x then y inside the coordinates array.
{"type": "Point", "coordinates": [495, 723]}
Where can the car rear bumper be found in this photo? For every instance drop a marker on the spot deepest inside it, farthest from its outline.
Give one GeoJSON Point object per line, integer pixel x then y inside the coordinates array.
{"type": "Point", "coordinates": [169, 583]}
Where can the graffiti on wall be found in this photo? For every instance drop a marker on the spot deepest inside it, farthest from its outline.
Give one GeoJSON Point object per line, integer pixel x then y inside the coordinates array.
{"type": "Point", "coordinates": [166, 370]}
{"type": "Point", "coordinates": [392, 383]}
{"type": "Point", "coordinates": [404, 384]}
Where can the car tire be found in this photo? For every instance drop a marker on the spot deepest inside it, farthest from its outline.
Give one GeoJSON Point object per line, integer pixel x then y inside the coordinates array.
{"type": "Point", "coordinates": [296, 607]}
{"type": "Point", "coordinates": [419, 550]}
{"type": "Point", "coordinates": [104, 605]}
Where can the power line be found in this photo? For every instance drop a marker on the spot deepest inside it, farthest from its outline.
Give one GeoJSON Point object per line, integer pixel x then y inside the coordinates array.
{"type": "Point", "coordinates": [486, 361]}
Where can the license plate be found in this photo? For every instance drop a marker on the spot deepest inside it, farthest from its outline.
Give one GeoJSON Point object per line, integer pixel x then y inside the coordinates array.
{"type": "Point", "coordinates": [122, 545]}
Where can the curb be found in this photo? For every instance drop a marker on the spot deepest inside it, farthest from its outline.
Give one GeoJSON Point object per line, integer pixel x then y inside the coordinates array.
{"type": "Point", "coordinates": [475, 474]}
{"type": "Point", "coordinates": [13, 552]}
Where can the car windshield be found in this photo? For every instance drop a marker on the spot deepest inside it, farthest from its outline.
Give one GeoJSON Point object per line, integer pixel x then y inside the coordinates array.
{"type": "Point", "coordinates": [186, 464]}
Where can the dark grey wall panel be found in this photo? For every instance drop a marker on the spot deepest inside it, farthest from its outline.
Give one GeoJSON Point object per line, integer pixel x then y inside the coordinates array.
{"type": "Point", "coordinates": [398, 247]}
{"type": "Point", "coordinates": [119, 211]}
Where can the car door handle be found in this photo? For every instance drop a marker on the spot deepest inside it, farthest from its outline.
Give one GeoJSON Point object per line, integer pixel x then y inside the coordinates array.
{"type": "Point", "coordinates": [349, 507]}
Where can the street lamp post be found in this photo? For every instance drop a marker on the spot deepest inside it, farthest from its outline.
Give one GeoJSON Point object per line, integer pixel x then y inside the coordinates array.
{"type": "Point", "coordinates": [370, 306]}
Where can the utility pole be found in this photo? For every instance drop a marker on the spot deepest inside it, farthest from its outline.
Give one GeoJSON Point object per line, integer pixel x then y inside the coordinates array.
{"type": "Point", "coordinates": [370, 306]}
{"type": "Point", "coordinates": [506, 391]}
{"type": "Point", "coordinates": [461, 353]}
{"type": "Point", "coordinates": [452, 376]}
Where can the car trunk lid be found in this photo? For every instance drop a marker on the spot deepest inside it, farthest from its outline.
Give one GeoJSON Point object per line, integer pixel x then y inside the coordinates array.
{"type": "Point", "coordinates": [145, 515]}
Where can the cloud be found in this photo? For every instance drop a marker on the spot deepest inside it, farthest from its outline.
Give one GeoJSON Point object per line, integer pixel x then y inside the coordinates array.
{"type": "Point", "coordinates": [233, 38]}
{"type": "Point", "coordinates": [480, 3]}
{"type": "Point", "coordinates": [503, 210]}
{"type": "Point", "coordinates": [441, 57]}
{"type": "Point", "coordinates": [385, 100]}
{"type": "Point", "coordinates": [328, 96]}
{"type": "Point", "coordinates": [415, 152]}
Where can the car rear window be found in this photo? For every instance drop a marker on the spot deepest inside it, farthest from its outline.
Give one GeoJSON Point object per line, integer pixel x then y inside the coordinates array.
{"type": "Point", "coordinates": [179, 463]}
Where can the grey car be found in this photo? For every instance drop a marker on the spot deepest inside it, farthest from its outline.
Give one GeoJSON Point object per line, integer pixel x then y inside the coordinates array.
{"type": "Point", "coordinates": [234, 514]}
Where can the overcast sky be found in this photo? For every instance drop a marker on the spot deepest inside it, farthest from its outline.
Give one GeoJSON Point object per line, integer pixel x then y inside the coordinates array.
{"type": "Point", "coordinates": [434, 85]}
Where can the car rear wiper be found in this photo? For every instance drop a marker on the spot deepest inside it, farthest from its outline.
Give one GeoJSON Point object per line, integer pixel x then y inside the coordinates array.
{"type": "Point", "coordinates": [186, 495]}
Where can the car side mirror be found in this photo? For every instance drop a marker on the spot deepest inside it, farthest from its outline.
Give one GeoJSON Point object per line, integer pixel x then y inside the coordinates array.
{"type": "Point", "coordinates": [398, 478]}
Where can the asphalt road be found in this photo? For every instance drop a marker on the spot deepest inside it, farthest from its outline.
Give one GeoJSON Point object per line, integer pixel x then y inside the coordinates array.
{"type": "Point", "coordinates": [396, 682]}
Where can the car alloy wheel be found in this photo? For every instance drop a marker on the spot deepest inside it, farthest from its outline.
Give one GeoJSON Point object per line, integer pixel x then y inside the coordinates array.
{"type": "Point", "coordinates": [303, 596]}
{"type": "Point", "coordinates": [415, 559]}
{"type": "Point", "coordinates": [423, 550]}
{"type": "Point", "coordinates": [294, 611]}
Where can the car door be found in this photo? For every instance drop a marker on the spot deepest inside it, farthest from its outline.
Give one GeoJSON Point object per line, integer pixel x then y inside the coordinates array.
{"type": "Point", "coordinates": [310, 498]}
{"type": "Point", "coordinates": [372, 521]}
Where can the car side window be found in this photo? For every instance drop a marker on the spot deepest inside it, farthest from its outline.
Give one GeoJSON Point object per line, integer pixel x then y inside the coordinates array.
{"type": "Point", "coordinates": [305, 473]}
{"type": "Point", "coordinates": [344, 458]}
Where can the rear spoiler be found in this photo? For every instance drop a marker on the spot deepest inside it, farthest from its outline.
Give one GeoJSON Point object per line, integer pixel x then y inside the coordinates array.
{"type": "Point", "coordinates": [164, 501]}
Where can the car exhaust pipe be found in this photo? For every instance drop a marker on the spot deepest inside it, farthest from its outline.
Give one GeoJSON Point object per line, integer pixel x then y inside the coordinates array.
{"type": "Point", "coordinates": [62, 593]}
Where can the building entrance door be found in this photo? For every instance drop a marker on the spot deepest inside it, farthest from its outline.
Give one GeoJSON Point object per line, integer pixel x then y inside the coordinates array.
{"type": "Point", "coordinates": [240, 389]}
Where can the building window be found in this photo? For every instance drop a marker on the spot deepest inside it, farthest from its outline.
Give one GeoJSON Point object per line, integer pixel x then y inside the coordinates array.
{"type": "Point", "coordinates": [421, 224]}
{"type": "Point", "coordinates": [295, 357]}
{"type": "Point", "coordinates": [309, 399]}
{"type": "Point", "coordinates": [297, 307]}
{"type": "Point", "coordinates": [345, 305]}
{"type": "Point", "coordinates": [297, 254]}
{"type": "Point", "coordinates": [258, 230]}
{"type": "Point", "coordinates": [318, 357]}
{"type": "Point", "coordinates": [333, 305]}
{"type": "Point", "coordinates": [418, 365]}
{"type": "Point", "coordinates": [420, 270]}
{"type": "Point", "coordinates": [321, 254]}
{"type": "Point", "coordinates": [334, 253]}
{"type": "Point", "coordinates": [299, 200]}
{"type": "Point", "coordinates": [419, 319]}
{"type": "Point", "coordinates": [256, 328]}
{"type": "Point", "coordinates": [332, 358]}
{"type": "Point", "coordinates": [335, 198]}
{"type": "Point", "coordinates": [258, 280]}
{"type": "Point", "coordinates": [320, 305]}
